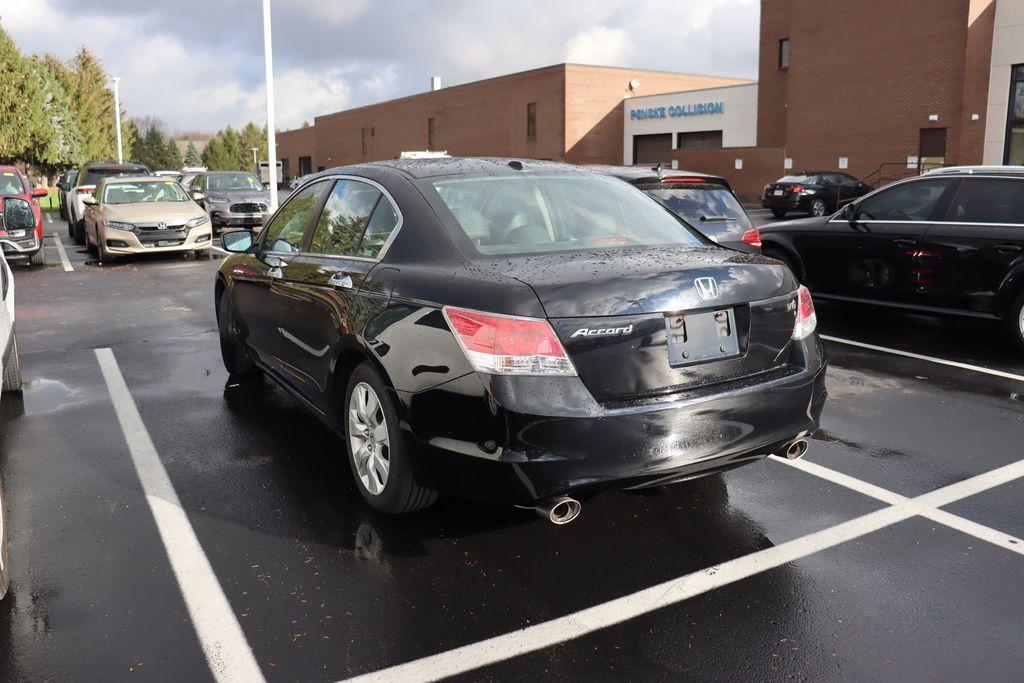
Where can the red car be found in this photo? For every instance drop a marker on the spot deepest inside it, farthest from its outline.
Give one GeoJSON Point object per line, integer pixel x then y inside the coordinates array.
{"type": "Point", "coordinates": [21, 223]}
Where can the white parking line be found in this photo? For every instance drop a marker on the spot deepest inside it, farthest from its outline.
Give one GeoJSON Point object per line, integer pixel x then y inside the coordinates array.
{"type": "Point", "coordinates": [228, 654]}
{"type": "Point", "coordinates": [577, 624]}
{"type": "Point", "coordinates": [219, 250]}
{"type": "Point", "coordinates": [48, 218]}
{"type": "Point", "coordinates": [930, 359]}
{"type": "Point", "coordinates": [63, 254]}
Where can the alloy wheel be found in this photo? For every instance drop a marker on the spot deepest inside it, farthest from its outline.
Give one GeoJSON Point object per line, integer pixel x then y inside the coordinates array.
{"type": "Point", "coordinates": [818, 208]}
{"type": "Point", "coordinates": [368, 438]}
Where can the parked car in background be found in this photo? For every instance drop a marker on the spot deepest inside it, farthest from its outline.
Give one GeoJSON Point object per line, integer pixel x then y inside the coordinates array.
{"type": "Point", "coordinates": [21, 229]}
{"type": "Point", "coordinates": [517, 330]}
{"type": "Point", "coordinates": [298, 180]}
{"type": "Point", "coordinates": [66, 179]}
{"type": "Point", "coordinates": [815, 193]}
{"type": "Point", "coordinates": [705, 202]}
{"type": "Point", "coordinates": [85, 182]}
{"type": "Point", "coordinates": [949, 242]}
{"type": "Point", "coordinates": [11, 372]}
{"type": "Point", "coordinates": [145, 214]}
{"type": "Point", "coordinates": [173, 175]}
{"type": "Point", "coordinates": [231, 198]}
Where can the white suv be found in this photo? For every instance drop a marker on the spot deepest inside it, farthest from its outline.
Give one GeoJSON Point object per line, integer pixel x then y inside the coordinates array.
{"type": "Point", "coordinates": [11, 372]}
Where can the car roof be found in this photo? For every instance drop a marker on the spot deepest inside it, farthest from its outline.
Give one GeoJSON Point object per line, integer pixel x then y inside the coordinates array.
{"type": "Point", "coordinates": [135, 179]}
{"type": "Point", "coordinates": [115, 167]}
{"type": "Point", "coordinates": [444, 166]}
{"type": "Point", "coordinates": [9, 169]}
{"type": "Point", "coordinates": [976, 170]}
{"type": "Point", "coordinates": [655, 174]}
{"type": "Point", "coordinates": [220, 172]}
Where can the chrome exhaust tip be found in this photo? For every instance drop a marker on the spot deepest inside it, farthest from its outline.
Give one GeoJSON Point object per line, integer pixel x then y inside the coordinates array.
{"type": "Point", "coordinates": [796, 449]}
{"type": "Point", "coordinates": [559, 510]}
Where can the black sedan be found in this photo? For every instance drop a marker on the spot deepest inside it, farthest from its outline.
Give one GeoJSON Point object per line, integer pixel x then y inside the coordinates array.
{"type": "Point", "coordinates": [704, 201]}
{"type": "Point", "coordinates": [948, 242]}
{"type": "Point", "coordinates": [817, 194]}
{"type": "Point", "coordinates": [517, 331]}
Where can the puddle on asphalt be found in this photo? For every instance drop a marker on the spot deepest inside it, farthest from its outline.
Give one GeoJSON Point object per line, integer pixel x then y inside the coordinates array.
{"type": "Point", "coordinates": [47, 395]}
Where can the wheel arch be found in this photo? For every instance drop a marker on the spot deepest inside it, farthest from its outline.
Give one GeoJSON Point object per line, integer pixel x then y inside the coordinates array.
{"type": "Point", "coordinates": [346, 360]}
{"type": "Point", "coordinates": [768, 244]}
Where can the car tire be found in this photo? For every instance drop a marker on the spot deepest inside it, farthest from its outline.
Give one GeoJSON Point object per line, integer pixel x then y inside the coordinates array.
{"type": "Point", "coordinates": [1015, 320]}
{"type": "Point", "coordinates": [818, 208]}
{"type": "Point", "coordinates": [79, 233]}
{"type": "Point", "coordinates": [385, 477]}
{"type": "Point", "coordinates": [38, 258]}
{"type": "Point", "coordinates": [779, 213]}
{"type": "Point", "coordinates": [12, 367]}
{"type": "Point", "coordinates": [780, 255]}
{"type": "Point", "coordinates": [236, 361]}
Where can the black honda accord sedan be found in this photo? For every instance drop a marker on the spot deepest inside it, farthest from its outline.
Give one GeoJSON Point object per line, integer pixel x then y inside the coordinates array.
{"type": "Point", "coordinates": [518, 331]}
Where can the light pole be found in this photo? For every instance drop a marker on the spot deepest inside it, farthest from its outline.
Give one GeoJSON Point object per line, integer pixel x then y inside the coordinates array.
{"type": "Point", "coordinates": [268, 58]}
{"type": "Point", "coordinates": [255, 163]}
{"type": "Point", "coordinates": [117, 119]}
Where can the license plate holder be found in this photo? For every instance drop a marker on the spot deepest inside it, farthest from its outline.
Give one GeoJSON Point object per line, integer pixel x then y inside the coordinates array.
{"type": "Point", "coordinates": [779, 193]}
{"type": "Point", "coordinates": [701, 337]}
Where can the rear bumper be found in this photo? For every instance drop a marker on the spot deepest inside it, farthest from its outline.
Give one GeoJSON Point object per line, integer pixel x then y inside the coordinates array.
{"type": "Point", "coordinates": [791, 202]}
{"type": "Point", "coordinates": [533, 438]}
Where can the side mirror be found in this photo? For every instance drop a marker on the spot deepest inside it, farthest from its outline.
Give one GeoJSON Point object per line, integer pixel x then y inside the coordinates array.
{"type": "Point", "coordinates": [198, 196]}
{"type": "Point", "coordinates": [40, 192]}
{"type": "Point", "coordinates": [89, 200]}
{"type": "Point", "coordinates": [64, 186]}
{"type": "Point", "coordinates": [848, 213]}
{"type": "Point", "coordinates": [237, 241]}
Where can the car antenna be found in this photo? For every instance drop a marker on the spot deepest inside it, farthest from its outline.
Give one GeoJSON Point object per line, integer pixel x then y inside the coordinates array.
{"type": "Point", "coordinates": [657, 169]}
{"type": "Point", "coordinates": [516, 164]}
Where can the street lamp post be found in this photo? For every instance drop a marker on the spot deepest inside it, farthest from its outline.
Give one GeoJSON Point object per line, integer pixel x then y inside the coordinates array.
{"type": "Point", "coordinates": [268, 58]}
{"type": "Point", "coordinates": [255, 163]}
{"type": "Point", "coordinates": [117, 119]}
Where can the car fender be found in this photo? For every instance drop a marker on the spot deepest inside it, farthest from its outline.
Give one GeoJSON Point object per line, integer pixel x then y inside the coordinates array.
{"type": "Point", "coordinates": [773, 241]}
{"type": "Point", "coordinates": [1010, 287]}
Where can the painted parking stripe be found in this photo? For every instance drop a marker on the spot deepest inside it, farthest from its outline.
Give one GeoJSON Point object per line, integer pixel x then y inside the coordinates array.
{"type": "Point", "coordinates": [228, 654]}
{"type": "Point", "coordinates": [219, 250]}
{"type": "Point", "coordinates": [930, 359]}
{"type": "Point", "coordinates": [63, 254]}
{"type": "Point", "coordinates": [48, 218]}
{"type": "Point", "coordinates": [569, 627]}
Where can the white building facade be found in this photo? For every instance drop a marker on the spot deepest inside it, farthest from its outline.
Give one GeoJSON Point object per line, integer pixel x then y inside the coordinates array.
{"type": "Point", "coordinates": [1004, 124]}
{"type": "Point", "coordinates": [696, 119]}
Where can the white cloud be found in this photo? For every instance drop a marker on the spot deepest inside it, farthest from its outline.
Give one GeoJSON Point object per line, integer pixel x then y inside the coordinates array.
{"type": "Point", "coordinates": [600, 45]}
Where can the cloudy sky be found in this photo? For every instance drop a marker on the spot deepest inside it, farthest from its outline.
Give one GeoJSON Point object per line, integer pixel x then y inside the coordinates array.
{"type": "Point", "coordinates": [198, 65]}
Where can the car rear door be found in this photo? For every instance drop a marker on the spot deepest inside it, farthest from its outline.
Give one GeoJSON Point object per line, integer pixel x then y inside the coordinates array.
{"type": "Point", "coordinates": [974, 250]}
{"type": "Point", "coordinates": [872, 255]}
{"type": "Point", "coordinates": [325, 298]}
{"type": "Point", "coordinates": [259, 279]}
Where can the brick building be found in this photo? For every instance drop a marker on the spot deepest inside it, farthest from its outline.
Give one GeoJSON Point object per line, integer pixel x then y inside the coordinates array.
{"type": "Point", "coordinates": [566, 112]}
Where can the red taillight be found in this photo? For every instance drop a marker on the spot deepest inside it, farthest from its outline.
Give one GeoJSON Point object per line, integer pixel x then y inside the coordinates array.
{"type": "Point", "coordinates": [806, 320]}
{"type": "Point", "coordinates": [86, 189]}
{"type": "Point", "coordinates": [767, 187]}
{"type": "Point", "coordinates": [753, 238]}
{"type": "Point", "coordinates": [508, 345]}
{"type": "Point", "coordinates": [797, 188]}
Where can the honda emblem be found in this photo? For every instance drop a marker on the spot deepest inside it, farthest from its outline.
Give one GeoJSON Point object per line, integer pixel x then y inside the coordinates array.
{"type": "Point", "coordinates": [707, 287]}
{"type": "Point", "coordinates": [161, 226]}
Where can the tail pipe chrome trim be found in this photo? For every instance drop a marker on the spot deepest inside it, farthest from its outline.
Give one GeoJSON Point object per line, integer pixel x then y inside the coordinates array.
{"type": "Point", "coordinates": [559, 510]}
{"type": "Point", "coordinates": [796, 449]}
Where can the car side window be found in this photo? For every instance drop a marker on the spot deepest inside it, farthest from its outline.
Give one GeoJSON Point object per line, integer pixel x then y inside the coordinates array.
{"type": "Point", "coordinates": [848, 181]}
{"type": "Point", "coordinates": [382, 223]}
{"type": "Point", "coordinates": [344, 219]}
{"type": "Point", "coordinates": [913, 201]}
{"type": "Point", "coordinates": [988, 200]}
{"type": "Point", "coordinates": [285, 232]}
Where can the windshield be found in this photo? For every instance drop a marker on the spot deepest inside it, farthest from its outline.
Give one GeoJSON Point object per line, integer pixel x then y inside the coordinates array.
{"type": "Point", "coordinates": [234, 181]}
{"type": "Point", "coordinates": [146, 191]}
{"type": "Point", "coordinates": [534, 214]}
{"type": "Point", "coordinates": [95, 175]}
{"type": "Point", "coordinates": [701, 204]}
{"type": "Point", "coordinates": [10, 184]}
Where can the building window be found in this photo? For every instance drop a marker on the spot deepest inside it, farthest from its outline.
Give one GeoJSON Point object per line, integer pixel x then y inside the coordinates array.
{"type": "Point", "coordinates": [784, 53]}
{"type": "Point", "coordinates": [430, 133]}
{"type": "Point", "coordinates": [305, 165]}
{"type": "Point", "coordinates": [1014, 154]}
{"type": "Point", "coordinates": [704, 139]}
{"type": "Point", "coordinates": [365, 140]}
{"type": "Point", "coordinates": [531, 121]}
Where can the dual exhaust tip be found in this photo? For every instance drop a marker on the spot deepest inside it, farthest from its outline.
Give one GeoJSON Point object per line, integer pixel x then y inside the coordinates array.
{"type": "Point", "coordinates": [563, 509]}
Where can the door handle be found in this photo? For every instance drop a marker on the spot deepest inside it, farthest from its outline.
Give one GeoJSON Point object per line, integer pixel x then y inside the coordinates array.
{"type": "Point", "coordinates": [341, 280]}
{"type": "Point", "coordinates": [902, 243]}
{"type": "Point", "coordinates": [1008, 249]}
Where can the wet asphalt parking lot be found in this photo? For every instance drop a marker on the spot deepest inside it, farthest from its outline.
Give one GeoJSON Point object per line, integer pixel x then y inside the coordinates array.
{"type": "Point", "coordinates": [169, 525]}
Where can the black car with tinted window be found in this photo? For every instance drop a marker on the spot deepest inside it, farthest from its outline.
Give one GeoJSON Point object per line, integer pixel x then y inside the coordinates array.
{"type": "Point", "coordinates": [814, 193]}
{"type": "Point", "coordinates": [948, 242]}
{"type": "Point", "coordinates": [517, 331]}
{"type": "Point", "coordinates": [705, 202]}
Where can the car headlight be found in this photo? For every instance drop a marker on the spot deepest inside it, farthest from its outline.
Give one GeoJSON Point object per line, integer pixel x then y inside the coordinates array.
{"type": "Point", "coordinates": [198, 220]}
{"type": "Point", "coordinates": [219, 200]}
{"type": "Point", "coordinates": [120, 225]}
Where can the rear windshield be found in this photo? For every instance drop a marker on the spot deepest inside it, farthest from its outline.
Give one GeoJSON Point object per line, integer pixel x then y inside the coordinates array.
{"type": "Point", "coordinates": [537, 214]}
{"type": "Point", "coordinates": [702, 204]}
{"type": "Point", "coordinates": [796, 179]}
{"type": "Point", "coordinates": [95, 175]}
{"type": "Point", "coordinates": [234, 181]}
{"type": "Point", "coordinates": [148, 191]}
{"type": "Point", "coordinates": [10, 184]}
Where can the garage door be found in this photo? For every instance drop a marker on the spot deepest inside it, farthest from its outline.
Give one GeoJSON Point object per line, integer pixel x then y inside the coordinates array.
{"type": "Point", "coordinates": [651, 149]}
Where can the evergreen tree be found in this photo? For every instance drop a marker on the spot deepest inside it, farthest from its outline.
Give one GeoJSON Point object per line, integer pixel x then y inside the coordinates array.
{"type": "Point", "coordinates": [22, 118]}
{"type": "Point", "coordinates": [129, 133]}
{"type": "Point", "coordinates": [192, 155]}
{"type": "Point", "coordinates": [60, 144]}
{"type": "Point", "coordinates": [93, 104]}
{"type": "Point", "coordinates": [215, 156]}
{"type": "Point", "coordinates": [172, 155]}
{"type": "Point", "coordinates": [253, 136]}
{"type": "Point", "coordinates": [232, 145]}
